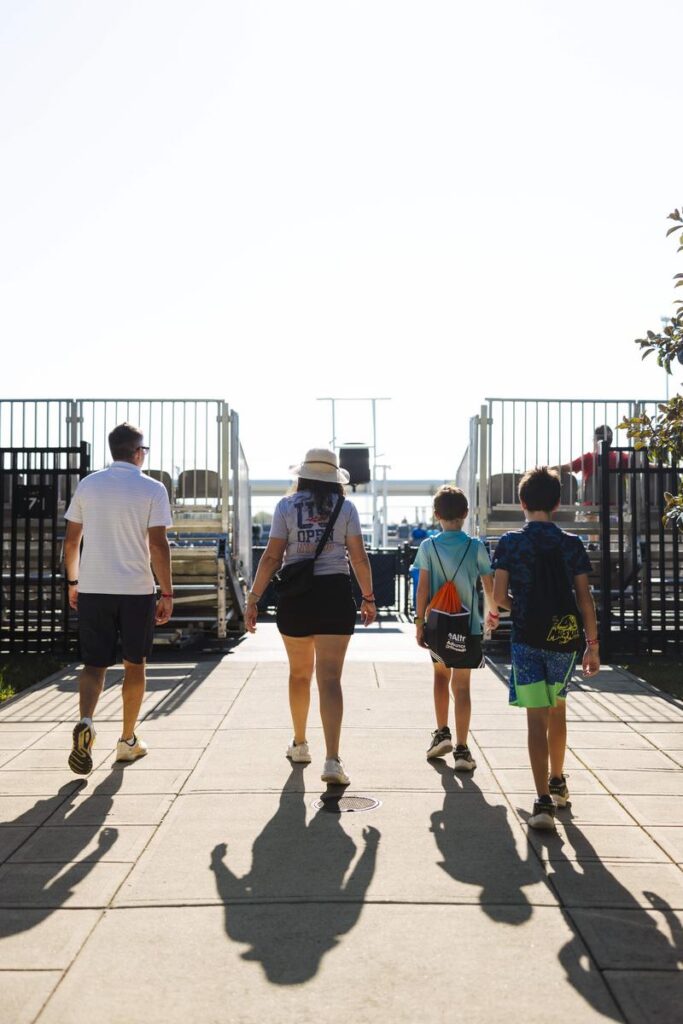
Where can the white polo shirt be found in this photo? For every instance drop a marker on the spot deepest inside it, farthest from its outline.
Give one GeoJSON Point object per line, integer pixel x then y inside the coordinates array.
{"type": "Point", "coordinates": [116, 507]}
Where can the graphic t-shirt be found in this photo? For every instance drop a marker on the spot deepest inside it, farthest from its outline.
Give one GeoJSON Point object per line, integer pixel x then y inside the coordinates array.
{"type": "Point", "coordinates": [297, 520]}
{"type": "Point", "coordinates": [451, 546]}
{"type": "Point", "coordinates": [516, 551]}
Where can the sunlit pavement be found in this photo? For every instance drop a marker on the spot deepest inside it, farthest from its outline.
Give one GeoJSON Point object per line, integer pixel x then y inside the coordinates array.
{"type": "Point", "coordinates": [205, 883]}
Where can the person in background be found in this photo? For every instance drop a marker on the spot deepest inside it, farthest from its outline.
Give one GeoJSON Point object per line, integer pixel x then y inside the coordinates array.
{"type": "Point", "coordinates": [316, 627]}
{"type": "Point", "coordinates": [451, 510]}
{"type": "Point", "coordinates": [587, 465]}
{"type": "Point", "coordinates": [121, 516]}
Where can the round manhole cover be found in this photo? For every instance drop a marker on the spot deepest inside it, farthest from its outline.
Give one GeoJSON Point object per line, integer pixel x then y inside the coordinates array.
{"type": "Point", "coordinates": [339, 804]}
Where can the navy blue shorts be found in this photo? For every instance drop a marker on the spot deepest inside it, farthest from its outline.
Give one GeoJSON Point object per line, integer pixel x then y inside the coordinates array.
{"type": "Point", "coordinates": [104, 618]}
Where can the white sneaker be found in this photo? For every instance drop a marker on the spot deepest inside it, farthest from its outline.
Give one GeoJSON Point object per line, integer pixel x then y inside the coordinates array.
{"type": "Point", "coordinates": [334, 772]}
{"type": "Point", "coordinates": [299, 753]}
{"type": "Point", "coordinates": [130, 751]}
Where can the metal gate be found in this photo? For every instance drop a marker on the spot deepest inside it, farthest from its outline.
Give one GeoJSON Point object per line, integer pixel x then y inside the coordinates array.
{"type": "Point", "coordinates": [641, 606]}
{"type": "Point", "coordinates": [36, 485]}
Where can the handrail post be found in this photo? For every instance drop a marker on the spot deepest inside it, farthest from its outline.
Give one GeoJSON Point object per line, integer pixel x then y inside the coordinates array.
{"type": "Point", "coordinates": [225, 468]}
{"type": "Point", "coordinates": [483, 503]}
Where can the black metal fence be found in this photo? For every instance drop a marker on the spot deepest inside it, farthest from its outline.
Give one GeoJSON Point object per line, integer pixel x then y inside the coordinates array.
{"type": "Point", "coordinates": [36, 485]}
{"type": "Point", "coordinates": [640, 580]}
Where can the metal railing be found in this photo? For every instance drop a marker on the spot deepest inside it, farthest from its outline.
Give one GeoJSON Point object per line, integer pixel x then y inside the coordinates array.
{"type": "Point", "coordinates": [511, 435]}
{"type": "Point", "coordinates": [194, 445]}
{"type": "Point", "coordinates": [195, 452]}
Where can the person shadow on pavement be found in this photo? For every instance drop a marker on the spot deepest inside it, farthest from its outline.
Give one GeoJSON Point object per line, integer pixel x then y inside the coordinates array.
{"type": "Point", "coordinates": [303, 890]}
{"type": "Point", "coordinates": [609, 921]}
{"type": "Point", "coordinates": [478, 847]}
{"type": "Point", "coordinates": [31, 890]}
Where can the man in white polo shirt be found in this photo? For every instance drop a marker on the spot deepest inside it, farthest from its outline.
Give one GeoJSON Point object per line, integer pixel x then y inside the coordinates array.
{"type": "Point", "coordinates": [121, 516]}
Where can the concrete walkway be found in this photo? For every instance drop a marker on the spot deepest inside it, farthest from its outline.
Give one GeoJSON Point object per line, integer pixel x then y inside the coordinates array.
{"type": "Point", "coordinates": [202, 884]}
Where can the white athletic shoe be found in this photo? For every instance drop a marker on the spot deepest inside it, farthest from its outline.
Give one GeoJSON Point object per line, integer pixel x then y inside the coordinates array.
{"type": "Point", "coordinates": [126, 751]}
{"type": "Point", "coordinates": [298, 753]}
{"type": "Point", "coordinates": [333, 771]}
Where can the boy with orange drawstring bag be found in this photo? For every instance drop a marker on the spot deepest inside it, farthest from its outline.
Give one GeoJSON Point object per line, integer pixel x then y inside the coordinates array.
{"type": "Point", "coordinates": [448, 621]}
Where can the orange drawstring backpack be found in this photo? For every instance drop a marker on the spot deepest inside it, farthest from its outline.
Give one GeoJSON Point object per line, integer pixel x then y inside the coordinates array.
{"type": "Point", "coordinates": [447, 620]}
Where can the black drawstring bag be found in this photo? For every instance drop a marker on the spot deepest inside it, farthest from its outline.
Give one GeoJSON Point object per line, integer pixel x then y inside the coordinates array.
{"type": "Point", "coordinates": [296, 579]}
{"type": "Point", "coordinates": [552, 621]}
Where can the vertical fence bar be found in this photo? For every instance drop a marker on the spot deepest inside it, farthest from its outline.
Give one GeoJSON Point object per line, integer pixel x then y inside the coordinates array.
{"type": "Point", "coordinates": [40, 555]}
{"type": "Point", "coordinates": [26, 590]}
{"type": "Point", "coordinates": [58, 461]}
{"type": "Point", "coordinates": [661, 538]}
{"type": "Point", "coordinates": [676, 576]}
{"type": "Point", "coordinates": [621, 550]}
{"type": "Point", "coordinates": [605, 559]}
{"type": "Point", "coordinates": [647, 575]}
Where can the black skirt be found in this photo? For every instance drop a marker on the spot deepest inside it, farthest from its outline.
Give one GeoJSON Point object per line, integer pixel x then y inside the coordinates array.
{"type": "Point", "coordinates": [329, 609]}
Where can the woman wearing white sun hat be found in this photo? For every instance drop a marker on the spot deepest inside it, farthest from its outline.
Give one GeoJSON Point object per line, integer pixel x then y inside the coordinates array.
{"type": "Point", "coordinates": [316, 626]}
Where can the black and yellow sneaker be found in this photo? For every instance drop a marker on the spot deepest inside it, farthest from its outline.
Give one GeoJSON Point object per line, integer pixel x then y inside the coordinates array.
{"type": "Point", "coordinates": [441, 743]}
{"type": "Point", "coordinates": [80, 760]}
{"type": "Point", "coordinates": [543, 814]}
{"type": "Point", "coordinates": [559, 790]}
{"type": "Point", "coordinates": [464, 762]}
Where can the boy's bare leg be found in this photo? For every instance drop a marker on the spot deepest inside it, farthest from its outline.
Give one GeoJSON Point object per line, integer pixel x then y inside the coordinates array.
{"type": "Point", "coordinates": [537, 723]}
{"type": "Point", "coordinates": [463, 704]}
{"type": "Point", "coordinates": [90, 686]}
{"type": "Point", "coordinates": [133, 690]}
{"type": "Point", "coordinates": [301, 655]}
{"type": "Point", "coordinates": [557, 738]}
{"type": "Point", "coordinates": [442, 677]}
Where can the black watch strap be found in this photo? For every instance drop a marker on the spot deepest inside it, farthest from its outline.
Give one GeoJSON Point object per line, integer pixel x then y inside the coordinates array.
{"type": "Point", "coordinates": [71, 583]}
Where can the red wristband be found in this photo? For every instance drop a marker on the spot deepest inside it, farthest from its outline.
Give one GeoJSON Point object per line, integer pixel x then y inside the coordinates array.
{"type": "Point", "coordinates": [165, 595]}
{"type": "Point", "coordinates": [591, 643]}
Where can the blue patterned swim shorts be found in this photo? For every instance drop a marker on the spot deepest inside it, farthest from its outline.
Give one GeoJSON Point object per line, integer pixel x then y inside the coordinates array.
{"type": "Point", "coordinates": [539, 678]}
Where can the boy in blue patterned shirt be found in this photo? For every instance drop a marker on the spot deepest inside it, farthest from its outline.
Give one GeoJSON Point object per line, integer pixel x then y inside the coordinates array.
{"type": "Point", "coordinates": [541, 671]}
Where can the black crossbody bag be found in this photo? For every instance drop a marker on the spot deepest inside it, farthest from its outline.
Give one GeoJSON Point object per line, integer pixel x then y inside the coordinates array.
{"type": "Point", "coordinates": [296, 579]}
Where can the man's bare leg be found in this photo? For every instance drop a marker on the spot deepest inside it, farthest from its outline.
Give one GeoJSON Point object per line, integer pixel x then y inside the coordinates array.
{"type": "Point", "coordinates": [90, 687]}
{"type": "Point", "coordinates": [133, 691]}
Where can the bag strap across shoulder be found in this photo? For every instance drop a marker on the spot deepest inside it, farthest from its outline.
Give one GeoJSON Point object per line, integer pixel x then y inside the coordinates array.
{"type": "Point", "coordinates": [329, 528]}
{"type": "Point", "coordinates": [443, 571]}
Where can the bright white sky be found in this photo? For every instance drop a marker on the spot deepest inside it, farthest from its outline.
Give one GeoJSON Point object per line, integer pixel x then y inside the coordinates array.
{"type": "Point", "coordinates": [272, 201]}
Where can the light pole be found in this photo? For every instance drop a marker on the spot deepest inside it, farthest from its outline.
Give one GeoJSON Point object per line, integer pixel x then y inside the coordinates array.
{"type": "Point", "coordinates": [373, 402]}
{"type": "Point", "coordinates": [385, 504]}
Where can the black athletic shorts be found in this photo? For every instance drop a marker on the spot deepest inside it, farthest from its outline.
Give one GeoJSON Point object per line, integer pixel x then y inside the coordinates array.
{"type": "Point", "coordinates": [103, 618]}
{"type": "Point", "coordinates": [329, 608]}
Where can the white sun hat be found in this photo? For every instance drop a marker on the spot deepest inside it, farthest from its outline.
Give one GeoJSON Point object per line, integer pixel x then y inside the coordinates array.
{"type": "Point", "coordinates": [321, 464]}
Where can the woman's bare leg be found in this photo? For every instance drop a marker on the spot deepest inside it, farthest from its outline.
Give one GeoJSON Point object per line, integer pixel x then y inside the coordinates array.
{"type": "Point", "coordinates": [330, 652]}
{"type": "Point", "coordinates": [301, 655]}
